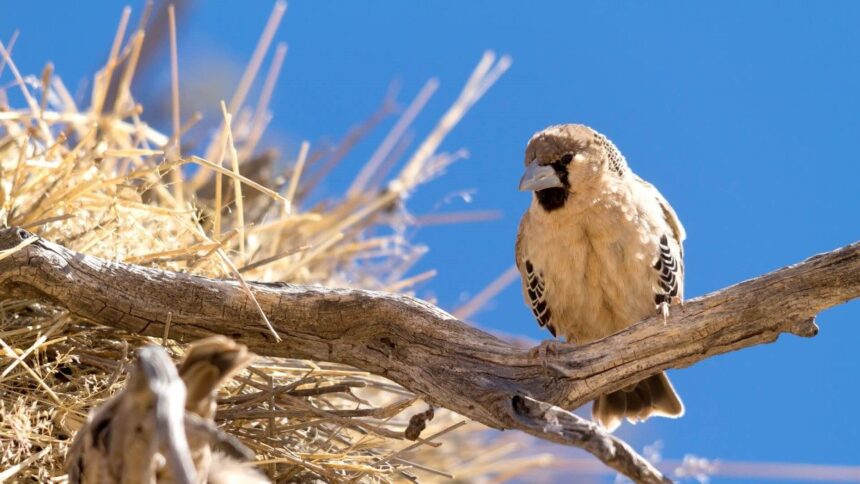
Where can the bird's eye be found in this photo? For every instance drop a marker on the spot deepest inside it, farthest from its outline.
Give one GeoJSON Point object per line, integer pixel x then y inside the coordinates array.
{"type": "Point", "coordinates": [566, 159]}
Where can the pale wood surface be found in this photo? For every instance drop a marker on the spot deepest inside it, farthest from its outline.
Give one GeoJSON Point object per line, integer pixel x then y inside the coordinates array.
{"type": "Point", "coordinates": [428, 351]}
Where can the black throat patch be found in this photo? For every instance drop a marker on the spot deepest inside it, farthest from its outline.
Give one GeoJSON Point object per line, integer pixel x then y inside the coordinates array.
{"type": "Point", "coordinates": [553, 198]}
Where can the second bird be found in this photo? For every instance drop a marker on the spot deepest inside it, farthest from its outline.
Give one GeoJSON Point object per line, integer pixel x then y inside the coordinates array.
{"type": "Point", "coordinates": [598, 250]}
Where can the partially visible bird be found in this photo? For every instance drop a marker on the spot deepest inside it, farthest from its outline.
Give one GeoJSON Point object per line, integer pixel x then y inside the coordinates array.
{"type": "Point", "coordinates": [598, 249]}
{"type": "Point", "coordinates": [160, 428]}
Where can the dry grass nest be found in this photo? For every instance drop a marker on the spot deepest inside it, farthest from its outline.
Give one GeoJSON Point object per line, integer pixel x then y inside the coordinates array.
{"type": "Point", "coordinates": [98, 179]}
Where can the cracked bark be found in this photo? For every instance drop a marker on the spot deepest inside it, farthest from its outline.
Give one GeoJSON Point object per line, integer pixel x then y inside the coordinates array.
{"type": "Point", "coordinates": [428, 351]}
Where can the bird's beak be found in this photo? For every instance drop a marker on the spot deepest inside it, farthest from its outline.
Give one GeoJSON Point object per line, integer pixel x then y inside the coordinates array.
{"type": "Point", "coordinates": [539, 177]}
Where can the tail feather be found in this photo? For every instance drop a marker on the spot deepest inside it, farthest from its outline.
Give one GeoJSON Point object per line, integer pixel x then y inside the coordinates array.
{"type": "Point", "coordinates": [651, 396]}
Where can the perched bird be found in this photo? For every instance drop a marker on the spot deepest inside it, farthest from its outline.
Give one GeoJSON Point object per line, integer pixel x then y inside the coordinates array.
{"type": "Point", "coordinates": [598, 249]}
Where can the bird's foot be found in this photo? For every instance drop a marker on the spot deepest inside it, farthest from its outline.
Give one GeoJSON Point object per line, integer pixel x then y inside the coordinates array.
{"type": "Point", "coordinates": [663, 307]}
{"type": "Point", "coordinates": [663, 310]}
{"type": "Point", "coordinates": [546, 347]}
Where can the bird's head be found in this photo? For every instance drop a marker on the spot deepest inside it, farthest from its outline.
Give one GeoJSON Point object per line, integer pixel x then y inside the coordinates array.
{"type": "Point", "coordinates": [567, 159]}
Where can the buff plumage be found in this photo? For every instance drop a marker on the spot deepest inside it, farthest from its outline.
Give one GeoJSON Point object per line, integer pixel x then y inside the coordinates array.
{"type": "Point", "coordinates": [598, 250]}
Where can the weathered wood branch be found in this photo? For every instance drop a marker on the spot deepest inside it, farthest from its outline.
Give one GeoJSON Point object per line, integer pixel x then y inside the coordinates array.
{"type": "Point", "coordinates": [448, 362]}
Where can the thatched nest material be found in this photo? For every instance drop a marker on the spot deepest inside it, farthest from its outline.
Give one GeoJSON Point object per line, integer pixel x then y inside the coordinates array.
{"type": "Point", "coordinates": [98, 179]}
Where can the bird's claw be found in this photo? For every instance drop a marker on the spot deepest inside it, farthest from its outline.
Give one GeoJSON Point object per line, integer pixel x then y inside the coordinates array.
{"type": "Point", "coordinates": [546, 347]}
{"type": "Point", "coordinates": [663, 310]}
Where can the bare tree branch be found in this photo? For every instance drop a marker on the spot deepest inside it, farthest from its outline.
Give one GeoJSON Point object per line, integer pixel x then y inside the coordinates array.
{"type": "Point", "coordinates": [428, 351]}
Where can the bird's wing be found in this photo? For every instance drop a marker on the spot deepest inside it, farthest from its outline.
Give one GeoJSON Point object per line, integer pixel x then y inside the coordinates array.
{"type": "Point", "coordinates": [672, 219]}
{"type": "Point", "coordinates": [670, 274]}
{"type": "Point", "coordinates": [670, 261]}
{"type": "Point", "coordinates": [534, 289]}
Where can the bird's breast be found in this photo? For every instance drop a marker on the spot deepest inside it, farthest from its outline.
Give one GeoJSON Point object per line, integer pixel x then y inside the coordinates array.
{"type": "Point", "coordinates": [597, 269]}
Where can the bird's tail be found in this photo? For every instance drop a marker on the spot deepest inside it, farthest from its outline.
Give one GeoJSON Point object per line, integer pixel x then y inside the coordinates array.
{"type": "Point", "coordinates": [651, 396]}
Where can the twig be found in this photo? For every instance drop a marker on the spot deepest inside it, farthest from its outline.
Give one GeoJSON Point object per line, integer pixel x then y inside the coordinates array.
{"type": "Point", "coordinates": [564, 427]}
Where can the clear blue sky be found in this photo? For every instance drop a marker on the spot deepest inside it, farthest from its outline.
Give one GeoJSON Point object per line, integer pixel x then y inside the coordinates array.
{"type": "Point", "coordinates": [745, 115]}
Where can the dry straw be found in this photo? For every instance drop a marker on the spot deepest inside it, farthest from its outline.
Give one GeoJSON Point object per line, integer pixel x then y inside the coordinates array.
{"type": "Point", "coordinates": [99, 180]}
